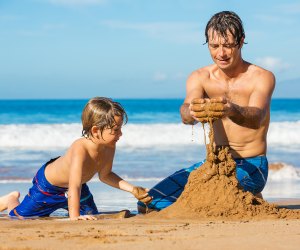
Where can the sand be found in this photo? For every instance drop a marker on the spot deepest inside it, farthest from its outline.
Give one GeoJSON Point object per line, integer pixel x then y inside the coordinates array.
{"type": "Point", "coordinates": [143, 233]}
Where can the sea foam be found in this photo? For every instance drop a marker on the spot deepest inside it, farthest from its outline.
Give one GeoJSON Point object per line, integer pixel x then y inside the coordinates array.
{"type": "Point", "coordinates": [42, 136]}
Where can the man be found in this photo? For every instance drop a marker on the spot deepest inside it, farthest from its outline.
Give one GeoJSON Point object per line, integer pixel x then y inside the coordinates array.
{"type": "Point", "coordinates": [241, 94]}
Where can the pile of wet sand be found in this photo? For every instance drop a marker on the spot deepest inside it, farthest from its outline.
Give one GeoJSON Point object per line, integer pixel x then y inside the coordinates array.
{"type": "Point", "coordinates": [213, 191]}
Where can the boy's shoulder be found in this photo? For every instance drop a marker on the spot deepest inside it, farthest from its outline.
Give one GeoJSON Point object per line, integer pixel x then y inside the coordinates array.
{"type": "Point", "coordinates": [78, 146]}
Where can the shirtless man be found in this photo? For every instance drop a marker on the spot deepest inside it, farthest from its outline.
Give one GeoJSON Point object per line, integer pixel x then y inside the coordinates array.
{"type": "Point", "coordinates": [242, 92]}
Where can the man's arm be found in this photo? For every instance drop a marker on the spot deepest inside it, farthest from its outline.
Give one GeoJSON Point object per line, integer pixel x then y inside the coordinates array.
{"type": "Point", "coordinates": [253, 115]}
{"type": "Point", "coordinates": [194, 89]}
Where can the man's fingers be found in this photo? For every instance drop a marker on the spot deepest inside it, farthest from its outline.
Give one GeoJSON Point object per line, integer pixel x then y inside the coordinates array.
{"type": "Point", "coordinates": [216, 114]}
{"type": "Point", "coordinates": [198, 101]}
{"type": "Point", "coordinates": [199, 114]}
{"type": "Point", "coordinates": [209, 100]}
{"type": "Point", "coordinates": [218, 100]}
{"type": "Point", "coordinates": [215, 107]}
{"type": "Point", "coordinates": [197, 107]}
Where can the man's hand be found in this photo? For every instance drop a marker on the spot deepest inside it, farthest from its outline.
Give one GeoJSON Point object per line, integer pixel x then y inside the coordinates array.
{"type": "Point", "coordinates": [206, 109]}
{"type": "Point", "coordinates": [142, 194]}
{"type": "Point", "coordinates": [84, 217]}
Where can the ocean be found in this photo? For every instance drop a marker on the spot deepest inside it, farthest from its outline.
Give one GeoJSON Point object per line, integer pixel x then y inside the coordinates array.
{"type": "Point", "coordinates": [154, 144]}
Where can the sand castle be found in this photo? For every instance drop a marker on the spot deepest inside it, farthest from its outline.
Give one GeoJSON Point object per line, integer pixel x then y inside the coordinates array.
{"type": "Point", "coordinates": [213, 191]}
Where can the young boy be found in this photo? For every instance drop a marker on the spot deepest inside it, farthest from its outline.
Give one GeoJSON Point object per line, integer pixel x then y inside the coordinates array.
{"type": "Point", "coordinates": [61, 182]}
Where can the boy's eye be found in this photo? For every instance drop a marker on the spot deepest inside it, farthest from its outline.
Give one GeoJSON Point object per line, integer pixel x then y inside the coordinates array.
{"type": "Point", "coordinates": [116, 129]}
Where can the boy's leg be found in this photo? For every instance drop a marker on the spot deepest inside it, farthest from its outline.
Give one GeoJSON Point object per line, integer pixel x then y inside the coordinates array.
{"type": "Point", "coordinates": [38, 204]}
{"type": "Point", "coordinates": [9, 201]}
{"type": "Point", "coordinates": [166, 192]}
{"type": "Point", "coordinates": [42, 198]}
{"type": "Point", "coordinates": [87, 204]}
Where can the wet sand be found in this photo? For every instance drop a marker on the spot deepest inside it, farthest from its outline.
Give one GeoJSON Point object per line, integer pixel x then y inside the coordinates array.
{"type": "Point", "coordinates": [142, 232]}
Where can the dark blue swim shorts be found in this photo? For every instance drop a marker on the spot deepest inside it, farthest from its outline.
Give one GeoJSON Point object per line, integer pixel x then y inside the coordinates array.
{"type": "Point", "coordinates": [252, 174]}
{"type": "Point", "coordinates": [44, 198]}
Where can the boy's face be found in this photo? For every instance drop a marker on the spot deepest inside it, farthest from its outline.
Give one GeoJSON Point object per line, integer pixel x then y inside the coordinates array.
{"type": "Point", "coordinates": [112, 135]}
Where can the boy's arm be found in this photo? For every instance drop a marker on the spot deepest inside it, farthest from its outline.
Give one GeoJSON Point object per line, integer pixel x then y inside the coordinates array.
{"type": "Point", "coordinates": [74, 192]}
{"type": "Point", "coordinates": [107, 176]}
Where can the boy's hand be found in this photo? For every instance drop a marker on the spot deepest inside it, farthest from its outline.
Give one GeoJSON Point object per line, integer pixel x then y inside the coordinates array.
{"type": "Point", "coordinates": [142, 194]}
{"type": "Point", "coordinates": [84, 217]}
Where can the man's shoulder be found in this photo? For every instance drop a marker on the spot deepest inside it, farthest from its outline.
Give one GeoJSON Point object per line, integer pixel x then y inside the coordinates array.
{"type": "Point", "coordinates": [263, 78]}
{"type": "Point", "coordinates": [201, 73]}
{"type": "Point", "coordinates": [259, 71]}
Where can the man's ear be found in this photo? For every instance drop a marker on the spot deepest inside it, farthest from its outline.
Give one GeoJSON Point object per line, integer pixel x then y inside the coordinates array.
{"type": "Point", "coordinates": [241, 42]}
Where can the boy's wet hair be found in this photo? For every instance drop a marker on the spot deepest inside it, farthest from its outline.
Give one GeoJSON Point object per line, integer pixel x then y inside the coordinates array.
{"type": "Point", "coordinates": [226, 21]}
{"type": "Point", "coordinates": [101, 112]}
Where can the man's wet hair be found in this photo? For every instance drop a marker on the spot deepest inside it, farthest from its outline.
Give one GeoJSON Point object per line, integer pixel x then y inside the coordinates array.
{"type": "Point", "coordinates": [101, 112]}
{"type": "Point", "coordinates": [225, 21]}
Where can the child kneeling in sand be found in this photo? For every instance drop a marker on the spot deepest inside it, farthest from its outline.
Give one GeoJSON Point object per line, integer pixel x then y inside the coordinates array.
{"type": "Point", "coordinates": [61, 182]}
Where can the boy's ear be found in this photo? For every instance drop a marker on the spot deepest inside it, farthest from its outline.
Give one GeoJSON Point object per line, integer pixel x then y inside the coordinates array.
{"type": "Point", "coordinates": [95, 132]}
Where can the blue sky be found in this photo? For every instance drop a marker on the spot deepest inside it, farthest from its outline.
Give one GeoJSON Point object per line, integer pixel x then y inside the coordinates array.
{"type": "Point", "coordinates": [133, 48]}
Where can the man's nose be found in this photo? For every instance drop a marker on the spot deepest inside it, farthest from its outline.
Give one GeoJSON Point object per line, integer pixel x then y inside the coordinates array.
{"type": "Point", "coordinates": [222, 50]}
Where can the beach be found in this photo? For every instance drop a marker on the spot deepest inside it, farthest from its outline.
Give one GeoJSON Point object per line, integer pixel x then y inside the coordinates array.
{"type": "Point", "coordinates": [154, 145]}
{"type": "Point", "coordinates": [141, 232]}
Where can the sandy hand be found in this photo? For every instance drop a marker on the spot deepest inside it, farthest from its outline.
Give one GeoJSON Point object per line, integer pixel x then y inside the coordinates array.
{"type": "Point", "coordinates": [206, 109]}
{"type": "Point", "coordinates": [141, 194]}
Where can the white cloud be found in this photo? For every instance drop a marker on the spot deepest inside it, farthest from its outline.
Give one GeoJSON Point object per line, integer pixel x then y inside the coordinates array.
{"type": "Point", "coordinates": [272, 63]}
{"type": "Point", "coordinates": [180, 32]}
{"type": "Point", "coordinates": [77, 2]}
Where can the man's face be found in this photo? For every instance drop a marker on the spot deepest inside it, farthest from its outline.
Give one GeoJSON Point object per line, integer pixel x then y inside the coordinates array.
{"type": "Point", "coordinates": [223, 52]}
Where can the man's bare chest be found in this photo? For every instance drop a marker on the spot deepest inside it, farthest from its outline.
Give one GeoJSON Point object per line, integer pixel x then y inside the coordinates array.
{"type": "Point", "coordinates": [236, 92]}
